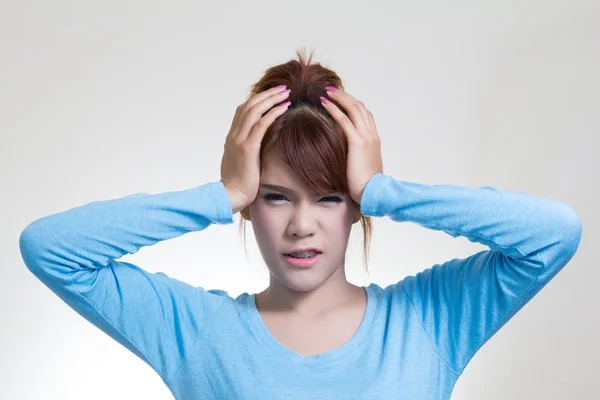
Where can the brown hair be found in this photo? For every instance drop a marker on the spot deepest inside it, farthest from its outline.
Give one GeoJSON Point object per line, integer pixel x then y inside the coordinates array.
{"type": "Point", "coordinates": [309, 140]}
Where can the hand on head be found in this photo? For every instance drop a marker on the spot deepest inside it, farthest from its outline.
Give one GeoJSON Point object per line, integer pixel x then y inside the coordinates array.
{"type": "Point", "coordinates": [240, 165]}
{"type": "Point", "coordinates": [364, 144]}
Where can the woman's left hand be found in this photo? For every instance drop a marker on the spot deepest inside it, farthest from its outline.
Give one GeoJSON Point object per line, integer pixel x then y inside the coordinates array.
{"type": "Point", "coordinates": [364, 145]}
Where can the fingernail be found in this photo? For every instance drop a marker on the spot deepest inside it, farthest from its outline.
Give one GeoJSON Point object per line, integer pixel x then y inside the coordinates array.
{"type": "Point", "coordinates": [280, 87]}
{"type": "Point", "coordinates": [330, 89]}
{"type": "Point", "coordinates": [324, 100]}
{"type": "Point", "coordinates": [285, 91]}
{"type": "Point", "coordinates": [287, 103]}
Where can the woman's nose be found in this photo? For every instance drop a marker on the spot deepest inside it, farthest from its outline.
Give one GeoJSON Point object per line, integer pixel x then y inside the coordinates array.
{"type": "Point", "coordinates": [303, 222]}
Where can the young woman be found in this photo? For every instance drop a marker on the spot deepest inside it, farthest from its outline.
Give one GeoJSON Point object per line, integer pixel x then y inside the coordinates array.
{"type": "Point", "coordinates": [304, 166]}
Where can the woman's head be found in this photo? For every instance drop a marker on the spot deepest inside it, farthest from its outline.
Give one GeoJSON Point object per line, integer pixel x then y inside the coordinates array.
{"type": "Point", "coordinates": [304, 150]}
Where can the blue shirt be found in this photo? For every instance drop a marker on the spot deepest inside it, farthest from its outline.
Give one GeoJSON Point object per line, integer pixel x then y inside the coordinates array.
{"type": "Point", "coordinates": [416, 337]}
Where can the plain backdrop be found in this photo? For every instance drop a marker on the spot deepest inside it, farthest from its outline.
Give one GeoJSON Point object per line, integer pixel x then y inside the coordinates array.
{"type": "Point", "coordinates": [101, 99]}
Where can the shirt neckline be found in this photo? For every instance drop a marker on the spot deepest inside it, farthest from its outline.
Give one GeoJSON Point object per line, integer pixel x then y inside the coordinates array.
{"type": "Point", "coordinates": [265, 336]}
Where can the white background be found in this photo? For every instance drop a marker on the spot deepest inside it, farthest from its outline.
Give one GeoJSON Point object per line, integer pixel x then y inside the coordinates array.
{"type": "Point", "coordinates": [103, 99]}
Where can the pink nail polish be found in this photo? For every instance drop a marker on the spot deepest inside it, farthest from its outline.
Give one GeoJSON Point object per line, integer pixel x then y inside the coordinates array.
{"type": "Point", "coordinates": [280, 86]}
{"type": "Point", "coordinates": [330, 89]}
{"type": "Point", "coordinates": [287, 103]}
{"type": "Point", "coordinates": [324, 100]}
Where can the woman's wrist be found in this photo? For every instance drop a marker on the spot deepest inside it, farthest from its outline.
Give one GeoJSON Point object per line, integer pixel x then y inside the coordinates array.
{"type": "Point", "coordinates": [237, 201]}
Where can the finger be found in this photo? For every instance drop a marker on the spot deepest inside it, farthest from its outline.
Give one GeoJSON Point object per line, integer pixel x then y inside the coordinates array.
{"type": "Point", "coordinates": [368, 116]}
{"type": "Point", "coordinates": [251, 100]}
{"type": "Point", "coordinates": [356, 110]}
{"type": "Point", "coordinates": [363, 110]}
{"type": "Point", "coordinates": [341, 119]}
{"type": "Point", "coordinates": [371, 121]}
{"type": "Point", "coordinates": [252, 115]}
{"type": "Point", "coordinates": [365, 115]}
{"type": "Point", "coordinates": [236, 117]}
{"type": "Point", "coordinates": [259, 129]}
{"type": "Point", "coordinates": [257, 98]}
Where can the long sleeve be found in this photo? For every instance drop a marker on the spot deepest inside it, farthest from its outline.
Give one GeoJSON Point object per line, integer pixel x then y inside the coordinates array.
{"type": "Point", "coordinates": [157, 317]}
{"type": "Point", "coordinates": [463, 302]}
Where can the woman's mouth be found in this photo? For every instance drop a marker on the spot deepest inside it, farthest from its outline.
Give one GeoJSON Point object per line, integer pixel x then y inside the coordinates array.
{"type": "Point", "coordinates": [303, 261]}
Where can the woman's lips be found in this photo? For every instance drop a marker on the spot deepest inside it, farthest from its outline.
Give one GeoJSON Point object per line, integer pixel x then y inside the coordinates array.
{"type": "Point", "coordinates": [303, 262]}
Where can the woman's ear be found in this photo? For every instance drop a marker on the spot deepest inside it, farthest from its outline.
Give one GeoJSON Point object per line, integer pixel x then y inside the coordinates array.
{"type": "Point", "coordinates": [356, 216]}
{"type": "Point", "coordinates": [245, 213]}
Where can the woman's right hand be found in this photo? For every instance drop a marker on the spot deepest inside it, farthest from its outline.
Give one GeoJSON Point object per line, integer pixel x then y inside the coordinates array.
{"type": "Point", "coordinates": [240, 165]}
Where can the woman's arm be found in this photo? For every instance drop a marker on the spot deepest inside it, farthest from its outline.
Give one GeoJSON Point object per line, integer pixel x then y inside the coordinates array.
{"type": "Point", "coordinates": [156, 317]}
{"type": "Point", "coordinates": [463, 302]}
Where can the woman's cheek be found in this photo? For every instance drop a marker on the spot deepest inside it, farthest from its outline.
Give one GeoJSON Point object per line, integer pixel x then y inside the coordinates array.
{"type": "Point", "coordinates": [264, 220]}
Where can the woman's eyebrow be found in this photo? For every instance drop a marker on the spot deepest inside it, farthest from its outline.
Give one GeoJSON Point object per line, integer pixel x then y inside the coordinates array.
{"type": "Point", "coordinates": [283, 189]}
{"type": "Point", "coordinates": [278, 188]}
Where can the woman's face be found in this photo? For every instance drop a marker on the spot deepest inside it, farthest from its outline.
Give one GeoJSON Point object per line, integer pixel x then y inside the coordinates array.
{"type": "Point", "coordinates": [297, 218]}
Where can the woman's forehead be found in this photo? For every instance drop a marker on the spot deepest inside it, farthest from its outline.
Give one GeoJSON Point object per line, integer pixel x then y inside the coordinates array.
{"type": "Point", "coordinates": [276, 172]}
{"type": "Point", "coordinates": [273, 167]}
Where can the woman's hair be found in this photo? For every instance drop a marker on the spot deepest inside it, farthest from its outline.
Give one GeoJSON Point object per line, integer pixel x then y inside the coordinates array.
{"type": "Point", "coordinates": [308, 139]}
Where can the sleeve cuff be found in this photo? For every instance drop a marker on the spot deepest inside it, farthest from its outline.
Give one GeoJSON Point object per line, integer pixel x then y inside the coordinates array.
{"type": "Point", "coordinates": [372, 203]}
{"type": "Point", "coordinates": [225, 211]}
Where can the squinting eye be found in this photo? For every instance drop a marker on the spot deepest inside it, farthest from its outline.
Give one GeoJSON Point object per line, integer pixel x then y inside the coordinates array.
{"type": "Point", "coordinates": [333, 198]}
{"type": "Point", "coordinates": [274, 197]}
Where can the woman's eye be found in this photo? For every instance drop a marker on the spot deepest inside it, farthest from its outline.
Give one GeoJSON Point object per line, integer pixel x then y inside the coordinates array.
{"type": "Point", "coordinates": [335, 199]}
{"type": "Point", "coordinates": [275, 197]}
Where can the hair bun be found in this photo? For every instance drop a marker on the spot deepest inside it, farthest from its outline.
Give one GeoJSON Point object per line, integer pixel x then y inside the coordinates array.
{"type": "Point", "coordinates": [306, 79]}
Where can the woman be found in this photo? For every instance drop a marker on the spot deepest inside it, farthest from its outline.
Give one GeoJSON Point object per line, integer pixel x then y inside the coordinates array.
{"type": "Point", "coordinates": [304, 166]}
